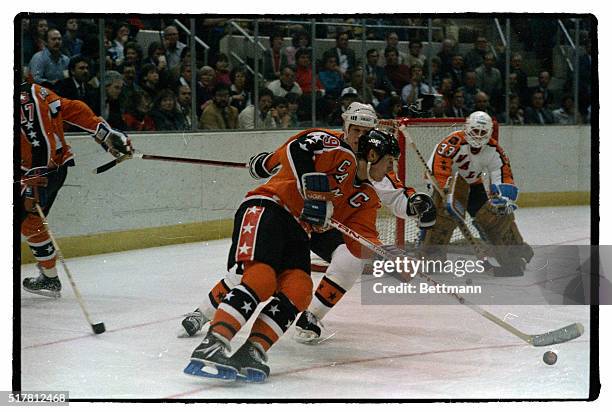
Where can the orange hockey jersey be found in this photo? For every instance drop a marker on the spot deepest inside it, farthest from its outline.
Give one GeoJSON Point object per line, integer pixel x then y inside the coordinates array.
{"type": "Point", "coordinates": [42, 113]}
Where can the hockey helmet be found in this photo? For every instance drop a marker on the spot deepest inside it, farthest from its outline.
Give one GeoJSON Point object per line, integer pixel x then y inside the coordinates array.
{"type": "Point", "coordinates": [359, 114]}
{"type": "Point", "coordinates": [383, 143]}
{"type": "Point", "coordinates": [478, 129]}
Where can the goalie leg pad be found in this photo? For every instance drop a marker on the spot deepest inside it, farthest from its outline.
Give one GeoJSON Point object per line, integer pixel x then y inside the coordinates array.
{"type": "Point", "coordinates": [442, 231]}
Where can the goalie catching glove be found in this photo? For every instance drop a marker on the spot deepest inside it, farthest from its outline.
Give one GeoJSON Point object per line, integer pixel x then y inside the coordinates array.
{"type": "Point", "coordinates": [318, 208]}
{"type": "Point", "coordinates": [503, 198]}
{"type": "Point", "coordinates": [113, 141]}
{"type": "Point", "coordinates": [422, 206]}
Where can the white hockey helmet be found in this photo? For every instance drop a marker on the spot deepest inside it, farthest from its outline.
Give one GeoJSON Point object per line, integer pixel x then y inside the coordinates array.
{"type": "Point", "coordinates": [478, 129]}
{"type": "Point", "coordinates": [359, 114]}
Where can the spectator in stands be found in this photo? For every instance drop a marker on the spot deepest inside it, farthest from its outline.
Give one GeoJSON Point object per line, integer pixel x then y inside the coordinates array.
{"type": "Point", "coordinates": [584, 81]}
{"type": "Point", "coordinates": [392, 40]}
{"type": "Point", "coordinates": [173, 47]}
{"type": "Point", "coordinates": [469, 90]}
{"type": "Point", "coordinates": [331, 76]}
{"type": "Point", "coordinates": [446, 54]}
{"type": "Point", "coordinates": [177, 71]}
{"type": "Point", "coordinates": [390, 108]}
{"type": "Point", "coordinates": [112, 110]}
{"type": "Point", "coordinates": [286, 83]}
{"type": "Point", "coordinates": [246, 119]}
{"type": "Point", "coordinates": [185, 75]}
{"type": "Point", "coordinates": [293, 104]}
{"type": "Point", "coordinates": [538, 113]}
{"type": "Point", "coordinates": [132, 56]}
{"type": "Point", "coordinates": [366, 94]}
{"type": "Point", "coordinates": [280, 113]}
{"type": "Point", "coordinates": [300, 40]}
{"type": "Point", "coordinates": [149, 81]}
{"type": "Point", "coordinates": [130, 84]}
{"type": "Point", "coordinates": [543, 87]}
{"type": "Point", "coordinates": [520, 88]}
{"type": "Point", "coordinates": [415, 57]}
{"type": "Point", "coordinates": [205, 88]}
{"type": "Point", "coordinates": [240, 97]}
{"type": "Point", "coordinates": [137, 114]}
{"type": "Point", "coordinates": [156, 56]}
{"type": "Point", "coordinates": [417, 87]}
{"type": "Point", "coordinates": [218, 114]}
{"type": "Point", "coordinates": [47, 66]}
{"type": "Point", "coordinates": [344, 54]}
{"type": "Point", "coordinates": [436, 74]}
{"type": "Point", "coordinates": [482, 104]}
{"type": "Point", "coordinates": [457, 106]}
{"type": "Point", "coordinates": [35, 39]}
{"type": "Point", "coordinates": [517, 116]}
{"type": "Point", "coordinates": [456, 73]}
{"type": "Point", "coordinates": [120, 36]}
{"type": "Point", "coordinates": [398, 74]}
{"type": "Point", "coordinates": [446, 91]}
{"type": "Point", "coordinates": [76, 86]}
{"type": "Point", "coordinates": [489, 80]}
{"type": "Point", "coordinates": [475, 57]}
{"type": "Point", "coordinates": [349, 95]}
{"type": "Point", "coordinates": [222, 70]}
{"type": "Point", "coordinates": [566, 113]}
{"type": "Point", "coordinates": [183, 104]}
{"type": "Point", "coordinates": [303, 72]}
{"type": "Point", "coordinates": [165, 114]}
{"type": "Point", "coordinates": [273, 58]}
{"type": "Point", "coordinates": [382, 86]}
{"type": "Point", "coordinates": [71, 43]}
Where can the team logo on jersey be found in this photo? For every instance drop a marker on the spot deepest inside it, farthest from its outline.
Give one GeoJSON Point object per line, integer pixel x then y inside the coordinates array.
{"type": "Point", "coordinates": [43, 93]}
{"type": "Point", "coordinates": [358, 199]}
{"type": "Point", "coordinates": [24, 97]}
{"type": "Point", "coordinates": [330, 141]}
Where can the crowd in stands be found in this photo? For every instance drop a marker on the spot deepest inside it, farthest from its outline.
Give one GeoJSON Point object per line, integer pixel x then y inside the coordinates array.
{"type": "Point", "coordinates": [150, 90]}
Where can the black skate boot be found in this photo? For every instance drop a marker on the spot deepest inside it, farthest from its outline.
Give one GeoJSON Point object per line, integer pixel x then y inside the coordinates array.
{"type": "Point", "coordinates": [210, 360]}
{"type": "Point", "coordinates": [192, 323]}
{"type": "Point", "coordinates": [44, 285]}
{"type": "Point", "coordinates": [250, 360]}
{"type": "Point", "coordinates": [307, 329]}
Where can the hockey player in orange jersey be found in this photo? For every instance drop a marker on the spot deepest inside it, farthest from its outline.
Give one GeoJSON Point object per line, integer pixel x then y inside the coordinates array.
{"type": "Point", "coordinates": [345, 266]}
{"type": "Point", "coordinates": [472, 152]}
{"type": "Point", "coordinates": [319, 175]}
{"type": "Point", "coordinates": [45, 158]}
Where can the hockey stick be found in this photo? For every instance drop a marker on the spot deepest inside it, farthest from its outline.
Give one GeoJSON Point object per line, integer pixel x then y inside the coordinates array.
{"type": "Point", "coordinates": [561, 335]}
{"type": "Point", "coordinates": [97, 328]}
{"type": "Point", "coordinates": [115, 162]}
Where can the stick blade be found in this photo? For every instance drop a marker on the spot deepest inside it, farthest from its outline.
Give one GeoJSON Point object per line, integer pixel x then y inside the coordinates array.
{"type": "Point", "coordinates": [564, 334]}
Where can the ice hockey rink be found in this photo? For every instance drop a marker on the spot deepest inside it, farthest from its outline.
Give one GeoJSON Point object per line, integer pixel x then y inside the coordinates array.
{"type": "Point", "coordinates": [409, 351]}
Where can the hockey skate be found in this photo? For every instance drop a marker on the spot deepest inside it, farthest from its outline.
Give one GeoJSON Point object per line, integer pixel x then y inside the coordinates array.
{"type": "Point", "coordinates": [308, 329]}
{"type": "Point", "coordinates": [43, 285]}
{"type": "Point", "coordinates": [210, 360]}
{"type": "Point", "coordinates": [192, 324]}
{"type": "Point", "coordinates": [250, 360]}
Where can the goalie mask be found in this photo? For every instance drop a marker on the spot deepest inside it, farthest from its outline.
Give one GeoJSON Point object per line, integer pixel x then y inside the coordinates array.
{"type": "Point", "coordinates": [383, 143]}
{"type": "Point", "coordinates": [358, 114]}
{"type": "Point", "coordinates": [478, 129]}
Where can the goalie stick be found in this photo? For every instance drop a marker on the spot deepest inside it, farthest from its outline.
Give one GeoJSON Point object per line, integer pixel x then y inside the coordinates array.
{"type": "Point", "coordinates": [560, 335]}
{"type": "Point", "coordinates": [97, 328]}
{"type": "Point", "coordinates": [115, 162]}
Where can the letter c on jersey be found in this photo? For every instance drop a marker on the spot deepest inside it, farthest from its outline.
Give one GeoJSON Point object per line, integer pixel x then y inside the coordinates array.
{"type": "Point", "coordinates": [358, 199]}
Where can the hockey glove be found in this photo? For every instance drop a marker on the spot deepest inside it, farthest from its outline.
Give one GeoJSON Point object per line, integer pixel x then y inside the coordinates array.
{"type": "Point", "coordinates": [318, 208]}
{"type": "Point", "coordinates": [113, 141]}
{"type": "Point", "coordinates": [257, 167]}
{"type": "Point", "coordinates": [34, 188]}
{"type": "Point", "coordinates": [503, 198]}
{"type": "Point", "coordinates": [422, 206]}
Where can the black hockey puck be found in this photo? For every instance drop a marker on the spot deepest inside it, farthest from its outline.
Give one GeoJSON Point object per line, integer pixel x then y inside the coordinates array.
{"type": "Point", "coordinates": [550, 358]}
{"type": "Point", "coordinates": [99, 328]}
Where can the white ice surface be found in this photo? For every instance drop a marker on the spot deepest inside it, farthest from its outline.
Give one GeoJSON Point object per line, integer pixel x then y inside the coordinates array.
{"type": "Point", "coordinates": [444, 351]}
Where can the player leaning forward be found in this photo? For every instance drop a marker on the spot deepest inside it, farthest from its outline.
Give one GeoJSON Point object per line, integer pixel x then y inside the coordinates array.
{"type": "Point", "coordinates": [341, 252]}
{"type": "Point", "coordinates": [471, 152]}
{"type": "Point", "coordinates": [45, 158]}
{"type": "Point", "coordinates": [319, 176]}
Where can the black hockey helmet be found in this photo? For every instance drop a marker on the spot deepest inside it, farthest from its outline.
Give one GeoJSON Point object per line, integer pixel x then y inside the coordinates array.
{"type": "Point", "coordinates": [381, 142]}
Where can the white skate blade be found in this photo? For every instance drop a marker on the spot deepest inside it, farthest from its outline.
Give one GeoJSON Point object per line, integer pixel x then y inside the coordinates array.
{"type": "Point", "coordinates": [207, 370]}
{"type": "Point", "coordinates": [306, 337]}
{"type": "Point", "coordinates": [46, 293]}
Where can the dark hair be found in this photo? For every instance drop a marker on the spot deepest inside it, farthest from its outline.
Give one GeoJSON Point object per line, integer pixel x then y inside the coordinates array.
{"type": "Point", "coordinates": [340, 33]}
{"type": "Point", "coordinates": [295, 41]}
{"type": "Point", "coordinates": [162, 95]}
{"type": "Point", "coordinates": [302, 52]}
{"type": "Point", "coordinates": [370, 51]}
{"type": "Point", "coordinates": [219, 87]}
{"type": "Point", "coordinates": [390, 49]}
{"type": "Point", "coordinates": [134, 100]}
{"type": "Point", "coordinates": [266, 92]}
{"type": "Point", "coordinates": [413, 42]}
{"type": "Point", "coordinates": [134, 46]}
{"type": "Point", "coordinates": [274, 36]}
{"type": "Point", "coordinates": [184, 52]}
{"type": "Point", "coordinates": [389, 33]}
{"type": "Point", "coordinates": [152, 47]}
{"type": "Point", "coordinates": [236, 70]}
{"type": "Point", "coordinates": [117, 26]}
{"type": "Point", "coordinates": [328, 56]}
{"type": "Point", "coordinates": [292, 98]}
{"type": "Point", "coordinates": [75, 60]}
{"type": "Point", "coordinates": [146, 69]}
{"type": "Point", "coordinates": [278, 100]}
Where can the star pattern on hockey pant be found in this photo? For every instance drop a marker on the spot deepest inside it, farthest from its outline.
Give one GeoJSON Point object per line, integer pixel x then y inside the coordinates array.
{"type": "Point", "coordinates": [229, 296]}
{"type": "Point", "coordinates": [247, 228]}
{"type": "Point", "coordinates": [35, 143]}
{"type": "Point", "coordinates": [49, 249]}
{"type": "Point", "coordinates": [253, 209]}
{"type": "Point", "coordinates": [288, 325]}
{"type": "Point", "coordinates": [32, 134]}
{"type": "Point", "coordinates": [274, 309]}
{"type": "Point", "coordinates": [30, 125]}
{"type": "Point", "coordinates": [246, 307]}
{"type": "Point", "coordinates": [303, 147]}
{"type": "Point", "coordinates": [244, 249]}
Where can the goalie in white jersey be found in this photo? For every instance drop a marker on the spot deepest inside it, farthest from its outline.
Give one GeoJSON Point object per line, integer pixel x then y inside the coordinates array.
{"type": "Point", "coordinates": [344, 268]}
{"type": "Point", "coordinates": [472, 152]}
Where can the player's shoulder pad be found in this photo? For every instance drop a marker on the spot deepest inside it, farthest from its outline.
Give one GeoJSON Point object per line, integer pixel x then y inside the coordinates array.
{"type": "Point", "coordinates": [451, 144]}
{"type": "Point", "coordinates": [320, 138]}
